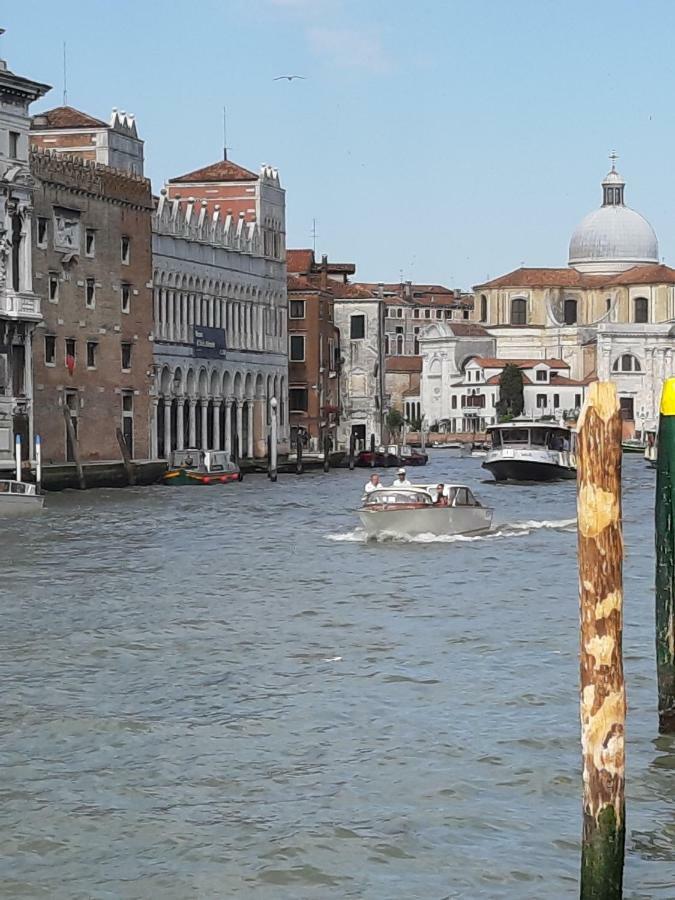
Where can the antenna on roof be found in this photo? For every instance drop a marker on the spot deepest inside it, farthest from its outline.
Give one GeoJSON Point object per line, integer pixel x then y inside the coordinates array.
{"type": "Point", "coordinates": [314, 235]}
{"type": "Point", "coordinates": [65, 76]}
{"type": "Point", "coordinates": [225, 134]}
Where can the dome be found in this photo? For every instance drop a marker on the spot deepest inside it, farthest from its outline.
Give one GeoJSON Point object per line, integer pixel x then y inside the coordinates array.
{"type": "Point", "coordinates": [615, 237]}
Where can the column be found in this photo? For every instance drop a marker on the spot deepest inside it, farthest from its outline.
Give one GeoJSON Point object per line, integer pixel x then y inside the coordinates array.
{"type": "Point", "coordinates": [154, 436]}
{"type": "Point", "coordinates": [216, 424]}
{"type": "Point", "coordinates": [192, 423]}
{"type": "Point", "coordinates": [180, 427]}
{"type": "Point", "coordinates": [205, 423]}
{"type": "Point", "coordinates": [240, 426]}
{"type": "Point", "coordinates": [249, 436]}
{"type": "Point", "coordinates": [228, 426]}
{"type": "Point", "coordinates": [167, 428]}
{"type": "Point", "coordinates": [156, 311]}
{"type": "Point", "coordinates": [162, 314]}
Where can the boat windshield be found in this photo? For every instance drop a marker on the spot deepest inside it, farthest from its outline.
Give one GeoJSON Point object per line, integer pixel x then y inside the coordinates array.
{"type": "Point", "coordinates": [15, 487]}
{"type": "Point", "coordinates": [461, 496]}
{"type": "Point", "coordinates": [187, 459]}
{"type": "Point", "coordinates": [397, 497]}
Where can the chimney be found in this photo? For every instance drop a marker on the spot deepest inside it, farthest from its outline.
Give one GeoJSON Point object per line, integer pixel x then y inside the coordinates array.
{"type": "Point", "coordinates": [408, 290]}
{"type": "Point", "coordinates": [380, 289]}
{"type": "Point", "coordinates": [324, 272]}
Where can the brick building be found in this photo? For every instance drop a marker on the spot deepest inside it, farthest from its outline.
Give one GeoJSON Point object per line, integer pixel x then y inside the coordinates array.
{"type": "Point", "coordinates": [93, 271]}
{"type": "Point", "coordinates": [19, 305]}
{"type": "Point", "coordinates": [313, 347]}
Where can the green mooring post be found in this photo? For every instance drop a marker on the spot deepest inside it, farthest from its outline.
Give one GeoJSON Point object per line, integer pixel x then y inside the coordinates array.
{"type": "Point", "coordinates": [665, 560]}
{"type": "Point", "coordinates": [603, 696]}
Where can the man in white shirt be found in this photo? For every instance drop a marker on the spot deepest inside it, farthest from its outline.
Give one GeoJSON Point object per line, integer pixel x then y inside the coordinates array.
{"type": "Point", "coordinates": [373, 484]}
{"type": "Point", "coordinates": [401, 480]}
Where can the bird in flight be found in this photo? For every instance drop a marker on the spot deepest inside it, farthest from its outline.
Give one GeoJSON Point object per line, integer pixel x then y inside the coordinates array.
{"type": "Point", "coordinates": [289, 77]}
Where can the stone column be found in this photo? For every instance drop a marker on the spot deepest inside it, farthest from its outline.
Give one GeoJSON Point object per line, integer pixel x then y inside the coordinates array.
{"type": "Point", "coordinates": [167, 428]}
{"type": "Point", "coordinates": [180, 426]}
{"type": "Point", "coordinates": [205, 424]}
{"type": "Point", "coordinates": [156, 311]}
{"type": "Point", "coordinates": [216, 424]}
{"type": "Point", "coordinates": [249, 436]}
{"type": "Point", "coordinates": [161, 327]}
{"type": "Point", "coordinates": [240, 425]}
{"type": "Point", "coordinates": [154, 436]}
{"type": "Point", "coordinates": [228, 426]}
{"type": "Point", "coordinates": [192, 423]}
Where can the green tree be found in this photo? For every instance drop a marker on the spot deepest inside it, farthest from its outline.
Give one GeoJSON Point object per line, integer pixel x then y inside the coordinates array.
{"type": "Point", "coordinates": [395, 420]}
{"type": "Point", "coordinates": [510, 404]}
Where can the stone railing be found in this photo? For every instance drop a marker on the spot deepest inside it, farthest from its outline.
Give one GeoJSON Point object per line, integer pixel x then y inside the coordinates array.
{"type": "Point", "coordinates": [20, 306]}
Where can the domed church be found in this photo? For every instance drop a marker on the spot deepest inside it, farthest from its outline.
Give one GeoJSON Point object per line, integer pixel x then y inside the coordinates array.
{"type": "Point", "coordinates": [610, 313]}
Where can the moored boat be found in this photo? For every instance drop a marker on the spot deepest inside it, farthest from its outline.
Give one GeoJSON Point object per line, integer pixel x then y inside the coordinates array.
{"type": "Point", "coordinates": [414, 510]}
{"type": "Point", "coordinates": [411, 456]}
{"type": "Point", "coordinates": [524, 450]}
{"type": "Point", "coordinates": [18, 497]}
{"type": "Point", "coordinates": [198, 467]}
{"type": "Point", "coordinates": [633, 445]}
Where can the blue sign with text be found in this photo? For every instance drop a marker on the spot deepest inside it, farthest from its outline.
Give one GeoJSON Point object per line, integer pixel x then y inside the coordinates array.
{"type": "Point", "coordinates": [209, 342]}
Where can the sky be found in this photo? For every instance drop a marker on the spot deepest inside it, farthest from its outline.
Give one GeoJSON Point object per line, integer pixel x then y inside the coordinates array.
{"type": "Point", "coordinates": [438, 142]}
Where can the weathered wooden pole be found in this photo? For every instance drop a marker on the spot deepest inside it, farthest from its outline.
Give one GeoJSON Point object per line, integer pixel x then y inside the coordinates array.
{"type": "Point", "coordinates": [372, 451]}
{"type": "Point", "coordinates": [603, 697]}
{"type": "Point", "coordinates": [665, 560]}
{"type": "Point", "coordinates": [70, 428]}
{"type": "Point", "coordinates": [298, 455]}
{"type": "Point", "coordinates": [129, 466]}
{"type": "Point", "coordinates": [326, 453]}
{"type": "Point", "coordinates": [274, 440]}
{"type": "Point", "coordinates": [352, 443]}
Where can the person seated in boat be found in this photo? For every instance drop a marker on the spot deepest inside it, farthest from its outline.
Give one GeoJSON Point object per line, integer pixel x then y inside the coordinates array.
{"type": "Point", "coordinates": [556, 442]}
{"type": "Point", "coordinates": [373, 483]}
{"type": "Point", "coordinates": [4, 487]}
{"type": "Point", "coordinates": [441, 496]}
{"type": "Point", "coordinates": [401, 480]}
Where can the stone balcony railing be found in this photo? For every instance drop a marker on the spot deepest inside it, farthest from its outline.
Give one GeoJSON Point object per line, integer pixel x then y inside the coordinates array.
{"type": "Point", "coordinates": [20, 306]}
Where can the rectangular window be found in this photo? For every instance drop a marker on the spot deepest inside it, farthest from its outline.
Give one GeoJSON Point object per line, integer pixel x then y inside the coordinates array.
{"type": "Point", "coordinates": [357, 328]}
{"type": "Point", "coordinates": [92, 347]}
{"type": "Point", "coordinates": [297, 399]}
{"type": "Point", "coordinates": [297, 309]}
{"type": "Point", "coordinates": [542, 375]}
{"type": "Point", "coordinates": [50, 349]}
{"type": "Point", "coordinates": [126, 298]}
{"type": "Point", "coordinates": [41, 232]}
{"type": "Point", "coordinates": [127, 402]}
{"type": "Point", "coordinates": [577, 401]}
{"type": "Point", "coordinates": [14, 144]}
{"type": "Point", "coordinates": [627, 408]}
{"type": "Point", "coordinates": [297, 348]}
{"type": "Point", "coordinates": [90, 242]}
{"type": "Point", "coordinates": [125, 250]}
{"type": "Point", "coordinates": [541, 401]}
{"type": "Point", "coordinates": [454, 401]}
{"type": "Point", "coordinates": [416, 313]}
{"type": "Point", "coordinates": [90, 293]}
{"type": "Point", "coordinates": [53, 287]}
{"type": "Point", "coordinates": [70, 349]}
{"type": "Point", "coordinates": [399, 312]}
{"type": "Point", "coordinates": [439, 313]}
{"type": "Point", "coordinates": [126, 357]}
{"type": "Point", "coordinates": [556, 401]}
{"type": "Point", "coordinates": [427, 313]}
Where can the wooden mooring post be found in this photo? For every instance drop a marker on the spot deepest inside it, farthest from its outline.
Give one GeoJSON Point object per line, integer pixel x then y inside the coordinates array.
{"type": "Point", "coordinates": [665, 560]}
{"type": "Point", "coordinates": [603, 697]}
{"type": "Point", "coordinates": [352, 447]}
{"type": "Point", "coordinates": [298, 455]}
{"type": "Point", "coordinates": [129, 466]}
{"type": "Point", "coordinates": [326, 453]}
{"type": "Point", "coordinates": [372, 450]}
{"type": "Point", "coordinates": [72, 437]}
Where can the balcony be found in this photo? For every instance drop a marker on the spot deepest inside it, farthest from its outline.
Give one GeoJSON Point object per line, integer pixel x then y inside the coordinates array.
{"type": "Point", "coordinates": [20, 306]}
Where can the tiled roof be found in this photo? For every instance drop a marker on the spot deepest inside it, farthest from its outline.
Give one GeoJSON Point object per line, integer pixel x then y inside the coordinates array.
{"type": "Point", "coordinates": [300, 261]}
{"type": "Point", "coordinates": [223, 170]}
{"type": "Point", "coordinates": [65, 117]}
{"type": "Point", "coordinates": [655, 274]}
{"type": "Point", "coordinates": [403, 364]}
{"type": "Point", "coordinates": [568, 277]}
{"type": "Point", "coordinates": [467, 329]}
{"type": "Point", "coordinates": [493, 362]}
{"type": "Point", "coordinates": [400, 289]}
{"type": "Point", "coordinates": [336, 289]}
{"type": "Point", "coordinates": [300, 283]}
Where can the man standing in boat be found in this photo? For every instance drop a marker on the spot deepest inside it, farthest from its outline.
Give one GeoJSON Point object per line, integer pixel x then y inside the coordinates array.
{"type": "Point", "coordinates": [401, 480]}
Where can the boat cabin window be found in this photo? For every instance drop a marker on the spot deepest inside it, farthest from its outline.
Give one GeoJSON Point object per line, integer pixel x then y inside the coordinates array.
{"type": "Point", "coordinates": [187, 459]}
{"type": "Point", "coordinates": [397, 497]}
{"type": "Point", "coordinates": [541, 437]}
{"type": "Point", "coordinates": [17, 487]}
{"type": "Point", "coordinates": [514, 435]}
{"type": "Point", "coordinates": [461, 496]}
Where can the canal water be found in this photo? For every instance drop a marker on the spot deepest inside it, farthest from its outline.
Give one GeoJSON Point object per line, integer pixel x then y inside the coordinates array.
{"type": "Point", "coordinates": [226, 692]}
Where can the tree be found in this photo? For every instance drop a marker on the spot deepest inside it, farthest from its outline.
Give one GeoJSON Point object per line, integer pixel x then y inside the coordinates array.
{"type": "Point", "coordinates": [511, 402]}
{"type": "Point", "coordinates": [395, 420]}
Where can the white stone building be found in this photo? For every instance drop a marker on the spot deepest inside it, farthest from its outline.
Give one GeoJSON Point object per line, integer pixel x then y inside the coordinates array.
{"type": "Point", "coordinates": [221, 346]}
{"type": "Point", "coordinates": [360, 317]}
{"type": "Point", "coordinates": [19, 305]}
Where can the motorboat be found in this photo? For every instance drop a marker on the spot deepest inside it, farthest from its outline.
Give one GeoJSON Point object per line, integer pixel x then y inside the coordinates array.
{"type": "Point", "coordinates": [417, 509]}
{"type": "Point", "coordinates": [633, 445]}
{"type": "Point", "coordinates": [524, 450]}
{"type": "Point", "coordinates": [651, 452]}
{"type": "Point", "coordinates": [18, 497]}
{"type": "Point", "coordinates": [197, 467]}
{"type": "Point", "coordinates": [411, 456]}
{"type": "Point", "coordinates": [479, 450]}
{"type": "Point", "coordinates": [390, 456]}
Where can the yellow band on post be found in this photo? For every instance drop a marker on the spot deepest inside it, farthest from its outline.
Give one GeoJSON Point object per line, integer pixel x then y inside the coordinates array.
{"type": "Point", "coordinates": [668, 398]}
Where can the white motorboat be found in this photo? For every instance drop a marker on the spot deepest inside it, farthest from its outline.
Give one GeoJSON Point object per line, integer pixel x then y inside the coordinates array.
{"type": "Point", "coordinates": [415, 510]}
{"type": "Point", "coordinates": [524, 450]}
{"type": "Point", "coordinates": [18, 497]}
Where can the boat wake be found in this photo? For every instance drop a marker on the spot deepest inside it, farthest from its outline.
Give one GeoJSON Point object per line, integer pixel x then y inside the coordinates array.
{"type": "Point", "coordinates": [502, 530]}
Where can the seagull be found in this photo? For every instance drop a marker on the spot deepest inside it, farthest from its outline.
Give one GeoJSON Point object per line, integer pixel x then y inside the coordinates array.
{"type": "Point", "coordinates": [289, 77]}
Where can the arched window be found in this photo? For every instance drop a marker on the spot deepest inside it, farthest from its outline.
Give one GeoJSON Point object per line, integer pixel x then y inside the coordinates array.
{"type": "Point", "coordinates": [570, 312]}
{"type": "Point", "coordinates": [416, 348]}
{"type": "Point", "coordinates": [483, 308]}
{"type": "Point", "coordinates": [386, 345]}
{"type": "Point", "coordinates": [399, 344]}
{"type": "Point", "coordinates": [519, 311]}
{"type": "Point", "coordinates": [641, 309]}
{"type": "Point", "coordinates": [627, 363]}
{"type": "Point", "coordinates": [608, 303]}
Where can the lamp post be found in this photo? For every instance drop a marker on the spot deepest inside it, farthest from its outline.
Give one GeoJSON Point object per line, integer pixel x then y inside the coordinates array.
{"type": "Point", "coordinates": [273, 439]}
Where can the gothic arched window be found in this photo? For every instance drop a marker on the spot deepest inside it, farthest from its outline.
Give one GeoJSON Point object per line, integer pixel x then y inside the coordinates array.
{"type": "Point", "coordinates": [641, 309]}
{"type": "Point", "coordinates": [519, 311]}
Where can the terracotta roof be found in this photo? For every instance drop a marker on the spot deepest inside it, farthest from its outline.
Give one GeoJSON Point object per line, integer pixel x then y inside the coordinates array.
{"type": "Point", "coordinates": [561, 381]}
{"type": "Point", "coordinates": [493, 362]}
{"type": "Point", "coordinates": [655, 274]}
{"type": "Point", "coordinates": [400, 289]}
{"type": "Point", "coordinates": [403, 364]}
{"type": "Point", "coordinates": [299, 261]}
{"type": "Point", "coordinates": [336, 289]}
{"type": "Point", "coordinates": [223, 170]}
{"type": "Point", "coordinates": [300, 283]}
{"type": "Point", "coordinates": [65, 117]}
{"type": "Point", "coordinates": [494, 379]}
{"type": "Point", "coordinates": [568, 277]}
{"type": "Point", "coordinates": [467, 329]}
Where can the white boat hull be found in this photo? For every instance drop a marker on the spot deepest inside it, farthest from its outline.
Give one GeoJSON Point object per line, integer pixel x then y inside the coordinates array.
{"type": "Point", "coordinates": [441, 520]}
{"type": "Point", "coordinates": [20, 504]}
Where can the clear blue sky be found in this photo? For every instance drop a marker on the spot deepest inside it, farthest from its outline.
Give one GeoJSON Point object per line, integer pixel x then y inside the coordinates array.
{"type": "Point", "coordinates": [447, 140]}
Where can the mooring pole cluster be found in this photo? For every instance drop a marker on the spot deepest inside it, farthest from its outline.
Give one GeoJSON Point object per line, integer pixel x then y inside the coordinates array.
{"type": "Point", "coordinates": [603, 697]}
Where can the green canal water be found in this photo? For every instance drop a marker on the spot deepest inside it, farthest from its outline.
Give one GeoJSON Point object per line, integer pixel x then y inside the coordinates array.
{"type": "Point", "coordinates": [225, 692]}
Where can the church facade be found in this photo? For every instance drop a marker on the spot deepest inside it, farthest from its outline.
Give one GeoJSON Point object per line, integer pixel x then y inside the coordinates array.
{"type": "Point", "coordinates": [608, 314]}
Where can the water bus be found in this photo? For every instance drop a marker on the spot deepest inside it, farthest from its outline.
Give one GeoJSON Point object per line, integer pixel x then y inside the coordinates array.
{"type": "Point", "coordinates": [524, 450]}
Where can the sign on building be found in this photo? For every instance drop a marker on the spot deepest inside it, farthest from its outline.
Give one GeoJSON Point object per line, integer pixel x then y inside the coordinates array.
{"type": "Point", "coordinates": [209, 343]}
